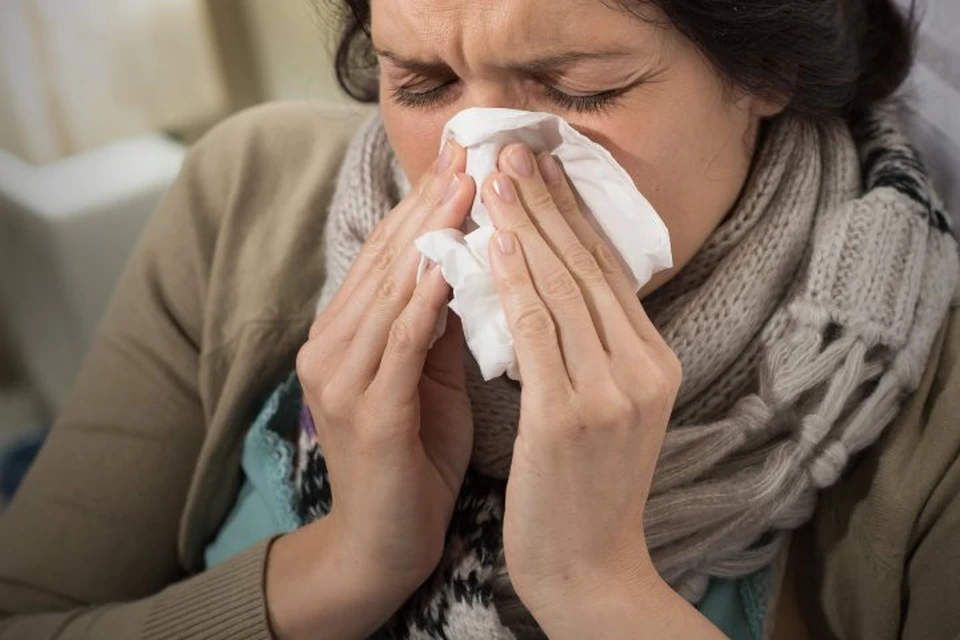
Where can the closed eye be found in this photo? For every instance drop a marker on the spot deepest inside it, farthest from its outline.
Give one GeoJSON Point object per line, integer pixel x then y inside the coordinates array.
{"type": "Point", "coordinates": [421, 98]}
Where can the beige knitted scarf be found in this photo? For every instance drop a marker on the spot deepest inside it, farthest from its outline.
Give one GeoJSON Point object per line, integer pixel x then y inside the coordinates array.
{"type": "Point", "coordinates": [802, 324]}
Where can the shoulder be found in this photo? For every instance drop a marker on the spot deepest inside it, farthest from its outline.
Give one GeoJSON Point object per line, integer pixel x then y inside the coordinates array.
{"type": "Point", "coordinates": [274, 143]}
{"type": "Point", "coordinates": [294, 126]}
{"type": "Point", "coordinates": [247, 212]}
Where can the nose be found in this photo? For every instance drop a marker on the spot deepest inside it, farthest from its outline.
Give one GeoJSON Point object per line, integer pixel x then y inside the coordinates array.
{"type": "Point", "coordinates": [497, 93]}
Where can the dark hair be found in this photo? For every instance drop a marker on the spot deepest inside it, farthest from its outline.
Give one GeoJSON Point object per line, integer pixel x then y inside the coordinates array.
{"type": "Point", "coordinates": [830, 57]}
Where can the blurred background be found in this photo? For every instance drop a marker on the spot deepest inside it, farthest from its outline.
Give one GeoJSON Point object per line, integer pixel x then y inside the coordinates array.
{"type": "Point", "coordinates": [99, 100]}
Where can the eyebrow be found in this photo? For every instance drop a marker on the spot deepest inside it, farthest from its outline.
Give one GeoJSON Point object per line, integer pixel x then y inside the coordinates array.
{"type": "Point", "coordinates": [534, 66]}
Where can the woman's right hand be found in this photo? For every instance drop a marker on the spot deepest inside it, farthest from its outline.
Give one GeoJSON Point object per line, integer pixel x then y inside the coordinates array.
{"type": "Point", "coordinates": [393, 420]}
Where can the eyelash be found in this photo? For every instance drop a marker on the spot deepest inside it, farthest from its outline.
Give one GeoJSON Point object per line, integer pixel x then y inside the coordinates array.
{"type": "Point", "coordinates": [593, 103]}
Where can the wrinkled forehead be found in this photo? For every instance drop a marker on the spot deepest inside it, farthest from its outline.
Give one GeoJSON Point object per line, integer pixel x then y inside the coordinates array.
{"type": "Point", "coordinates": [497, 32]}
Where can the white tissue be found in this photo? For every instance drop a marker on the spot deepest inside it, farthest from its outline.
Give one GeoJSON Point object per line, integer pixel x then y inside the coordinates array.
{"type": "Point", "coordinates": [608, 197]}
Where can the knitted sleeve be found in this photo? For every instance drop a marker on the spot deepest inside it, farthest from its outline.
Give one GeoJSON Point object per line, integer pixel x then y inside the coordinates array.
{"type": "Point", "coordinates": [92, 544]}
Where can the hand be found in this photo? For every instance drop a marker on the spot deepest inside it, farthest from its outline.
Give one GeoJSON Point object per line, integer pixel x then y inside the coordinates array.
{"type": "Point", "coordinates": [392, 415]}
{"type": "Point", "coordinates": [599, 383]}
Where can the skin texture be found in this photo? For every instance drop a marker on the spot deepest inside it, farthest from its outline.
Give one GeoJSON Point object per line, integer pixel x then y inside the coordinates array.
{"type": "Point", "coordinates": [392, 413]}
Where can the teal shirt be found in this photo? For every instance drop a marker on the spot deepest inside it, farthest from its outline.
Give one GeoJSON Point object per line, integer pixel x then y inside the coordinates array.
{"type": "Point", "coordinates": [265, 508]}
{"type": "Point", "coordinates": [265, 504]}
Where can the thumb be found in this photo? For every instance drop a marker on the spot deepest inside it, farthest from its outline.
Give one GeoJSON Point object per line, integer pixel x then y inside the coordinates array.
{"type": "Point", "coordinates": [444, 363]}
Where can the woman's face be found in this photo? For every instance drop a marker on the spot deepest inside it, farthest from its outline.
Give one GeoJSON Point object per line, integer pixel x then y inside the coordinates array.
{"type": "Point", "coordinates": [634, 85]}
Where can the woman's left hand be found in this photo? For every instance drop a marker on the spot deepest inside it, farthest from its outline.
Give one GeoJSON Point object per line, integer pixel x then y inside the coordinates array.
{"type": "Point", "coordinates": [599, 384]}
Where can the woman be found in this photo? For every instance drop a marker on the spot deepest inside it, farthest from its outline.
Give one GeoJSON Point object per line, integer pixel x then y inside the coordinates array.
{"type": "Point", "coordinates": [381, 489]}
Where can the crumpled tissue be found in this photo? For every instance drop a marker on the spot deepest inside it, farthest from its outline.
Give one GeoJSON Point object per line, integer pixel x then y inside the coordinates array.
{"type": "Point", "coordinates": [608, 198]}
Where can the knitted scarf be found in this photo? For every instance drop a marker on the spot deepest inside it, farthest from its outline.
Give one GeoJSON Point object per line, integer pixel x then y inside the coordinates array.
{"type": "Point", "coordinates": [802, 325]}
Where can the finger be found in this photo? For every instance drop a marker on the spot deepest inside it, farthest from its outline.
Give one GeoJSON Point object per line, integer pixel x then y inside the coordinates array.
{"type": "Point", "coordinates": [619, 281]}
{"type": "Point", "coordinates": [582, 350]}
{"type": "Point", "coordinates": [556, 209]}
{"type": "Point", "coordinates": [432, 211]}
{"type": "Point", "coordinates": [435, 189]}
{"type": "Point", "coordinates": [450, 213]}
{"type": "Point", "coordinates": [444, 364]}
{"type": "Point", "coordinates": [402, 361]}
{"type": "Point", "coordinates": [375, 308]}
{"type": "Point", "coordinates": [380, 246]}
{"type": "Point", "coordinates": [531, 324]}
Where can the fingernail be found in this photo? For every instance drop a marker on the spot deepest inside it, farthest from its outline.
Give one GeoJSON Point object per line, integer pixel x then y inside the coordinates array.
{"type": "Point", "coordinates": [521, 161]}
{"type": "Point", "coordinates": [431, 265]}
{"type": "Point", "coordinates": [445, 158]}
{"type": "Point", "coordinates": [503, 187]}
{"type": "Point", "coordinates": [549, 169]}
{"type": "Point", "coordinates": [506, 242]}
{"type": "Point", "coordinates": [451, 191]}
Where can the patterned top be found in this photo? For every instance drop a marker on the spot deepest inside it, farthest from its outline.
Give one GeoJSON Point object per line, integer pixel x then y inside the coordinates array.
{"type": "Point", "coordinates": [269, 503]}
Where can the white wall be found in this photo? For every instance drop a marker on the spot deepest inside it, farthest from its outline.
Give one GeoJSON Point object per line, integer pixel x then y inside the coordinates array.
{"type": "Point", "coordinates": [77, 75]}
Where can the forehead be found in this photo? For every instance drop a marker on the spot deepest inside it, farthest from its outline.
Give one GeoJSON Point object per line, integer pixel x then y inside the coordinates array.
{"type": "Point", "coordinates": [502, 29]}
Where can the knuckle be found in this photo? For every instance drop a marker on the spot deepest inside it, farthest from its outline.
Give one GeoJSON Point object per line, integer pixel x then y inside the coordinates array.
{"type": "Point", "coordinates": [663, 380]}
{"type": "Point", "coordinates": [516, 280]}
{"type": "Point", "coordinates": [673, 370]}
{"type": "Point", "coordinates": [560, 286]}
{"type": "Point", "coordinates": [534, 322]}
{"type": "Point", "coordinates": [606, 261]}
{"type": "Point", "coordinates": [566, 202]}
{"type": "Point", "coordinates": [613, 411]}
{"type": "Point", "coordinates": [333, 402]}
{"type": "Point", "coordinates": [384, 259]}
{"type": "Point", "coordinates": [524, 227]}
{"type": "Point", "coordinates": [422, 188]}
{"type": "Point", "coordinates": [304, 370]}
{"type": "Point", "coordinates": [582, 263]}
{"type": "Point", "coordinates": [539, 198]}
{"type": "Point", "coordinates": [424, 297]}
{"type": "Point", "coordinates": [377, 238]}
{"type": "Point", "coordinates": [307, 364]}
{"type": "Point", "coordinates": [402, 338]}
{"type": "Point", "coordinates": [387, 289]}
{"type": "Point", "coordinates": [319, 324]}
{"type": "Point", "coordinates": [430, 191]}
{"type": "Point", "coordinates": [658, 391]}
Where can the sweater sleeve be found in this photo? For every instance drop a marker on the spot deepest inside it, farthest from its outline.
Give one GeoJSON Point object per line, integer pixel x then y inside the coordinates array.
{"type": "Point", "coordinates": [88, 547]}
{"type": "Point", "coordinates": [933, 561]}
{"type": "Point", "coordinates": [224, 603]}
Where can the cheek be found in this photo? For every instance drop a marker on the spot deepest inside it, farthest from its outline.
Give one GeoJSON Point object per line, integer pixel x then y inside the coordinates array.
{"type": "Point", "coordinates": [684, 161]}
{"type": "Point", "coordinates": [414, 136]}
{"type": "Point", "coordinates": [690, 159]}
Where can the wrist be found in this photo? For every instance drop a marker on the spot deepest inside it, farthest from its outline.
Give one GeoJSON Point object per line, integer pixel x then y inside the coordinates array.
{"type": "Point", "coordinates": [580, 579]}
{"type": "Point", "coordinates": [642, 607]}
{"type": "Point", "coordinates": [318, 585]}
{"type": "Point", "coordinates": [574, 607]}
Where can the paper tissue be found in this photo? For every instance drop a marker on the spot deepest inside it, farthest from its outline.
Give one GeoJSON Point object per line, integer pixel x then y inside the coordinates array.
{"type": "Point", "coordinates": [609, 198]}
